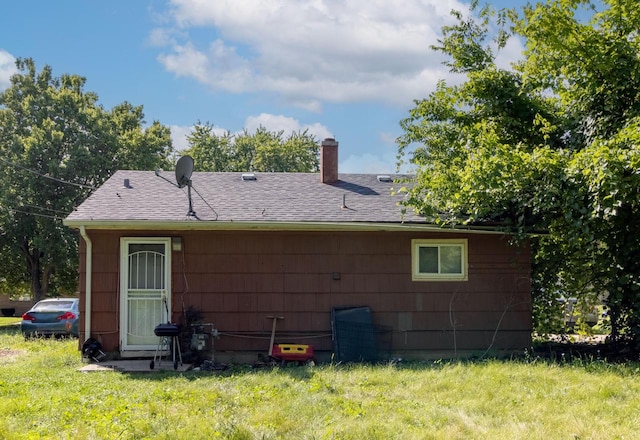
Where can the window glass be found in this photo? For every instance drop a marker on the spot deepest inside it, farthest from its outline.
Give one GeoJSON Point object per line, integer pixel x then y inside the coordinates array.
{"type": "Point", "coordinates": [52, 305]}
{"type": "Point", "coordinates": [428, 259]}
{"type": "Point", "coordinates": [439, 259]}
{"type": "Point", "coordinates": [146, 266]}
{"type": "Point", "coordinates": [451, 259]}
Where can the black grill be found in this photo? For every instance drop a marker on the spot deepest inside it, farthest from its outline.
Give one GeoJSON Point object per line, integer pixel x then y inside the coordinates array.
{"type": "Point", "coordinates": [167, 330]}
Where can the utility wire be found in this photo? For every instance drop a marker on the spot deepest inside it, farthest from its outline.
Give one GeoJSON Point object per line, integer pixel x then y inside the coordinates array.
{"type": "Point", "coordinates": [33, 213]}
{"type": "Point", "coordinates": [81, 185]}
{"type": "Point", "coordinates": [46, 209]}
{"type": "Point", "coordinates": [206, 203]}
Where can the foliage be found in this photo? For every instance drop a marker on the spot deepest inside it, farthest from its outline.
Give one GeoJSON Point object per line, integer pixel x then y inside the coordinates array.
{"type": "Point", "coordinates": [549, 148]}
{"type": "Point", "coordinates": [15, 290]}
{"type": "Point", "coordinates": [42, 395]}
{"type": "Point", "coordinates": [260, 151]}
{"type": "Point", "coordinates": [56, 145]}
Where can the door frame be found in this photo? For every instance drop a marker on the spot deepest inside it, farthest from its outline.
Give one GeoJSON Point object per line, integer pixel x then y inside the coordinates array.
{"type": "Point", "coordinates": [124, 288]}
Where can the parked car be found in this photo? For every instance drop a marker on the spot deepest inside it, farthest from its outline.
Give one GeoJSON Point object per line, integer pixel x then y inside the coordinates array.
{"type": "Point", "coordinates": [573, 312]}
{"type": "Point", "coordinates": [52, 317]}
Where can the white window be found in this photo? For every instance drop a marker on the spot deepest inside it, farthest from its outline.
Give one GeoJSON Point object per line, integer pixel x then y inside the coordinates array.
{"type": "Point", "coordinates": [439, 260]}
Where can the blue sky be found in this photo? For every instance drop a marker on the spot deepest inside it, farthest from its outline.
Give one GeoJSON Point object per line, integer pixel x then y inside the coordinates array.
{"type": "Point", "coordinates": [348, 69]}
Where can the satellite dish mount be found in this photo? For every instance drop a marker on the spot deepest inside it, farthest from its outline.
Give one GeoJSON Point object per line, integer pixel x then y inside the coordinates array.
{"type": "Point", "coordinates": [184, 169]}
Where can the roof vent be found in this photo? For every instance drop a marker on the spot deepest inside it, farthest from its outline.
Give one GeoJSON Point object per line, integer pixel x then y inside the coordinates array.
{"type": "Point", "coordinates": [248, 176]}
{"type": "Point", "coordinates": [384, 178]}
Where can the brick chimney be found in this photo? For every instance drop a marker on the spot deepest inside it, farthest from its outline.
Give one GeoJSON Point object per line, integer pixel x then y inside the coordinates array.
{"type": "Point", "coordinates": [329, 161]}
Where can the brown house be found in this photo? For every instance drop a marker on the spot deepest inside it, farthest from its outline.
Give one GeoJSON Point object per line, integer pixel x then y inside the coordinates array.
{"type": "Point", "coordinates": [316, 249]}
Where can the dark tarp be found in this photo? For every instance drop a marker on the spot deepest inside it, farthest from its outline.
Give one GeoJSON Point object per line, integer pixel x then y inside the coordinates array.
{"type": "Point", "coordinates": [354, 336]}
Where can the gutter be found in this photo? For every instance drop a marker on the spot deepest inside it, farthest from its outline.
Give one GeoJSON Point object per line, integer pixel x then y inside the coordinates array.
{"type": "Point", "coordinates": [88, 272]}
{"type": "Point", "coordinates": [169, 225]}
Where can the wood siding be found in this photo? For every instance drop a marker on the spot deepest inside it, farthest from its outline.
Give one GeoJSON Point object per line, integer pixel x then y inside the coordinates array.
{"type": "Point", "coordinates": [239, 278]}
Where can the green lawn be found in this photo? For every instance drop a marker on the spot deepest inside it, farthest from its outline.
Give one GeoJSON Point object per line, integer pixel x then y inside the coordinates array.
{"type": "Point", "coordinates": [4, 321]}
{"type": "Point", "coordinates": [42, 395]}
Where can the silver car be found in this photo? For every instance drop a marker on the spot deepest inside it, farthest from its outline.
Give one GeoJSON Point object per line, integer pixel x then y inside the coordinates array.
{"type": "Point", "coordinates": [52, 317]}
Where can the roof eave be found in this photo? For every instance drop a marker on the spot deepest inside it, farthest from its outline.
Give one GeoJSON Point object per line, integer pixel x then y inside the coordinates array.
{"type": "Point", "coordinates": [139, 225]}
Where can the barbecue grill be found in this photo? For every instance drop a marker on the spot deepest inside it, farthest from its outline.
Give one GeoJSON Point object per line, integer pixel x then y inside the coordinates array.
{"type": "Point", "coordinates": [168, 334]}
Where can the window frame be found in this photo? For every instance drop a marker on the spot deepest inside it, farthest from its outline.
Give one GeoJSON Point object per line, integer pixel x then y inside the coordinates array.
{"type": "Point", "coordinates": [418, 243]}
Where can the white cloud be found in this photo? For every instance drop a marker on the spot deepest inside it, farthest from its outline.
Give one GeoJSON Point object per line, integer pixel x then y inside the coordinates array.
{"type": "Point", "coordinates": [367, 163]}
{"type": "Point", "coordinates": [387, 138]}
{"type": "Point", "coordinates": [512, 51]}
{"type": "Point", "coordinates": [385, 162]}
{"type": "Point", "coordinates": [179, 136]}
{"type": "Point", "coordinates": [311, 51]}
{"type": "Point", "coordinates": [160, 37]}
{"type": "Point", "coordinates": [7, 68]}
{"type": "Point", "coordinates": [220, 66]}
{"type": "Point", "coordinates": [286, 124]}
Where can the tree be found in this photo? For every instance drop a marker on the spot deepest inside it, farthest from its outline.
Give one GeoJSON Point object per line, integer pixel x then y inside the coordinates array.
{"type": "Point", "coordinates": [550, 146]}
{"type": "Point", "coordinates": [56, 145]}
{"type": "Point", "coordinates": [210, 151]}
{"type": "Point", "coordinates": [259, 151]}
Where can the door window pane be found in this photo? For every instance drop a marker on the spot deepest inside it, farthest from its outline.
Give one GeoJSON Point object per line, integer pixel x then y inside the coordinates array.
{"type": "Point", "coordinates": [146, 266]}
{"type": "Point", "coordinates": [144, 314]}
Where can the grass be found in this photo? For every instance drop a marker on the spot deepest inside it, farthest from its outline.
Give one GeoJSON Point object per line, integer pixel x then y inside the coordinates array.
{"type": "Point", "coordinates": [42, 395]}
{"type": "Point", "coordinates": [4, 321]}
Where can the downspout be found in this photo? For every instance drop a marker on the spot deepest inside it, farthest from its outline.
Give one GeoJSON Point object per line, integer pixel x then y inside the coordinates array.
{"type": "Point", "coordinates": [88, 272]}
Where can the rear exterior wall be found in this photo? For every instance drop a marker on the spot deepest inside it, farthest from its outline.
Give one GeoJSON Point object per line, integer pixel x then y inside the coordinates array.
{"type": "Point", "coordinates": [240, 278]}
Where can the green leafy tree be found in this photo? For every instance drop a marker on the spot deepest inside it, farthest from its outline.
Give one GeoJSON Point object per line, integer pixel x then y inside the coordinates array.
{"type": "Point", "coordinates": [210, 151]}
{"type": "Point", "coordinates": [56, 145]}
{"type": "Point", "coordinates": [139, 148]}
{"type": "Point", "coordinates": [550, 146]}
{"type": "Point", "coordinates": [259, 151]}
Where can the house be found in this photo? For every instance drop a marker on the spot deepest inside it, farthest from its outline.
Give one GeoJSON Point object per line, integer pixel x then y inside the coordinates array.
{"type": "Point", "coordinates": [13, 307]}
{"type": "Point", "coordinates": [243, 248]}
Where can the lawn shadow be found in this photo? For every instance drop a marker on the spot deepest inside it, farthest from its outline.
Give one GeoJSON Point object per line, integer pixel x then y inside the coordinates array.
{"type": "Point", "coordinates": [10, 329]}
{"type": "Point", "coordinates": [302, 373]}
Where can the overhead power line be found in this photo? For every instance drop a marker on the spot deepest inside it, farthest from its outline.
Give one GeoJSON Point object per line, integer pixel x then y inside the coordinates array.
{"type": "Point", "coordinates": [57, 211]}
{"type": "Point", "coordinates": [81, 185]}
{"type": "Point", "coordinates": [54, 217]}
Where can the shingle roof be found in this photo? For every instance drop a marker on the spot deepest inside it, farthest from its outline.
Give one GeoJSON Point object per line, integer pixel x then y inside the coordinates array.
{"type": "Point", "coordinates": [226, 197]}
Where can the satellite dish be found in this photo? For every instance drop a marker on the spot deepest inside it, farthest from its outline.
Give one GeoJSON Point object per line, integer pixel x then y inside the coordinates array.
{"type": "Point", "coordinates": [184, 169]}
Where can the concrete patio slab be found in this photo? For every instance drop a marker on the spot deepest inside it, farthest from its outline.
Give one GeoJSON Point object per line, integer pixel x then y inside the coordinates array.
{"type": "Point", "coordinates": [134, 366]}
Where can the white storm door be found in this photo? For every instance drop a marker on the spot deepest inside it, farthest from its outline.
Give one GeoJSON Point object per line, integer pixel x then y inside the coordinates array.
{"type": "Point", "coordinates": [146, 296]}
